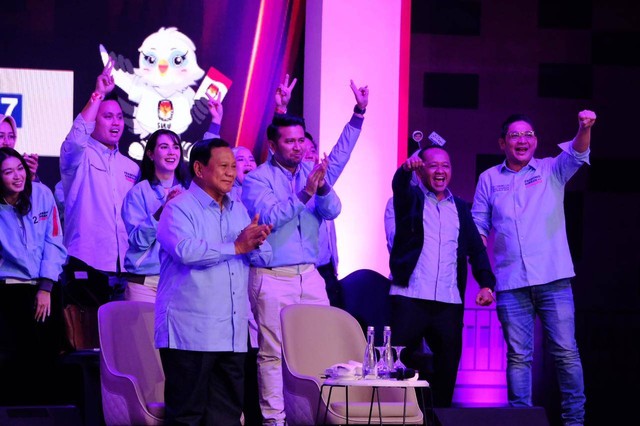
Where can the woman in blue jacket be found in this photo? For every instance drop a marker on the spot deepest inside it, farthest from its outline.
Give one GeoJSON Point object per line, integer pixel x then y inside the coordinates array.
{"type": "Point", "coordinates": [162, 177]}
{"type": "Point", "coordinates": [31, 259]}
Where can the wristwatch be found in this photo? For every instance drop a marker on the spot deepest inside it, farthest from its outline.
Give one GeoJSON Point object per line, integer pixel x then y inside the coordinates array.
{"type": "Point", "coordinates": [359, 110]}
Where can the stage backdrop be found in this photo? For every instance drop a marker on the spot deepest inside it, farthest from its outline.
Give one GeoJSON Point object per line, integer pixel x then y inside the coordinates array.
{"type": "Point", "coordinates": [165, 51]}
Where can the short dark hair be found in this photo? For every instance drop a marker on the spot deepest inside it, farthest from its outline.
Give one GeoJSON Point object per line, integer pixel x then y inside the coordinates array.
{"type": "Point", "coordinates": [512, 119]}
{"type": "Point", "coordinates": [283, 120]}
{"type": "Point", "coordinates": [148, 168]}
{"type": "Point", "coordinates": [428, 147]}
{"type": "Point", "coordinates": [201, 151]}
{"type": "Point", "coordinates": [23, 206]}
{"type": "Point", "coordinates": [111, 96]}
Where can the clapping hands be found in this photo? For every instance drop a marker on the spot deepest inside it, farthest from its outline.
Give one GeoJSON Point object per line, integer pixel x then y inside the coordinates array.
{"type": "Point", "coordinates": [316, 177]}
{"type": "Point", "coordinates": [252, 236]}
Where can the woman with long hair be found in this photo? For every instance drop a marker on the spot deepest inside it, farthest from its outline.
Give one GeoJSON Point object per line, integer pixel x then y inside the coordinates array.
{"type": "Point", "coordinates": [31, 259]}
{"type": "Point", "coordinates": [162, 177]}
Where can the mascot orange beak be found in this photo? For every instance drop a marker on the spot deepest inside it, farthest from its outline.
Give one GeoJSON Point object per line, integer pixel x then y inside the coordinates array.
{"type": "Point", "coordinates": [163, 65]}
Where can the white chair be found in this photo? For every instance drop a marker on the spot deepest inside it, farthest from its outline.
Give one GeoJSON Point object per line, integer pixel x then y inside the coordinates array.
{"type": "Point", "coordinates": [131, 376]}
{"type": "Point", "coordinates": [315, 337]}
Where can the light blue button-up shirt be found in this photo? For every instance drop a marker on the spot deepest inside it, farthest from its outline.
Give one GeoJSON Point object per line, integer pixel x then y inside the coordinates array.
{"type": "Point", "coordinates": [95, 180]}
{"type": "Point", "coordinates": [202, 294]}
{"type": "Point", "coordinates": [271, 191]}
{"type": "Point", "coordinates": [526, 212]}
{"type": "Point", "coordinates": [435, 276]}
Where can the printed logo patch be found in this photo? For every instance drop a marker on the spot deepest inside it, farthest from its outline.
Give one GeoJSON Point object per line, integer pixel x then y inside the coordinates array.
{"type": "Point", "coordinates": [40, 217]}
{"type": "Point", "coordinates": [534, 180]}
{"type": "Point", "coordinates": [500, 188]}
{"type": "Point", "coordinates": [130, 177]}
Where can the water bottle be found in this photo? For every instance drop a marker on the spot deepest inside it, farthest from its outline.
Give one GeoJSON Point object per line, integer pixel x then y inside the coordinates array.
{"type": "Point", "coordinates": [369, 367]}
{"type": "Point", "coordinates": [386, 365]}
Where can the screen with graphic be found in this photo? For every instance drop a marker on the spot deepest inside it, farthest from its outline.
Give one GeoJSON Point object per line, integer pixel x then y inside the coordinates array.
{"type": "Point", "coordinates": [41, 102]}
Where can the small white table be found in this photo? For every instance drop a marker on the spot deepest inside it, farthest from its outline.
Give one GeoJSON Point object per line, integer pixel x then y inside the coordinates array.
{"type": "Point", "coordinates": [375, 384]}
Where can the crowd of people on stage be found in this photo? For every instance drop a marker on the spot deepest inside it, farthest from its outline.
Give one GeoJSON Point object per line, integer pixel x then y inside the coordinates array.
{"type": "Point", "coordinates": [221, 244]}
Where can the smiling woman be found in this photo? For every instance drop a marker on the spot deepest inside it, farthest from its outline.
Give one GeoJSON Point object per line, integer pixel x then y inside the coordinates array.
{"type": "Point", "coordinates": [244, 162]}
{"type": "Point", "coordinates": [8, 138]}
{"type": "Point", "coordinates": [15, 190]}
{"type": "Point", "coordinates": [162, 177]}
{"type": "Point", "coordinates": [32, 257]}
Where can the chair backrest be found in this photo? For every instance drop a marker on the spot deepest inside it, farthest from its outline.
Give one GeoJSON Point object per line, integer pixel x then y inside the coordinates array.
{"type": "Point", "coordinates": [126, 331]}
{"type": "Point", "coordinates": [315, 337]}
{"type": "Point", "coordinates": [366, 298]}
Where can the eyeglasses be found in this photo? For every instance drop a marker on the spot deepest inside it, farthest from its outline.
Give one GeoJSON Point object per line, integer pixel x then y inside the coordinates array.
{"type": "Point", "coordinates": [528, 135]}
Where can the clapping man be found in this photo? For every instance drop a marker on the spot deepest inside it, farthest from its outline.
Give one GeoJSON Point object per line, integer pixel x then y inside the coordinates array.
{"type": "Point", "coordinates": [294, 197]}
{"type": "Point", "coordinates": [207, 242]}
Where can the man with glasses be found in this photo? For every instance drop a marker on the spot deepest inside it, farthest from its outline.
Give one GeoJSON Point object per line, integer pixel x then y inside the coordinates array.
{"type": "Point", "coordinates": [521, 200]}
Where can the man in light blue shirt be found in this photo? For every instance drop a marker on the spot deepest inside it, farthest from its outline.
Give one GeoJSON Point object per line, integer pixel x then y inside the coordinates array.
{"type": "Point", "coordinates": [95, 179]}
{"type": "Point", "coordinates": [327, 263]}
{"type": "Point", "coordinates": [521, 200]}
{"type": "Point", "coordinates": [207, 242]}
{"type": "Point", "coordinates": [434, 239]}
{"type": "Point", "coordinates": [293, 196]}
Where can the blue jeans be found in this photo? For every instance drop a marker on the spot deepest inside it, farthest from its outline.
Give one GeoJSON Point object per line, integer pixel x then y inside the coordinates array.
{"type": "Point", "coordinates": [553, 303]}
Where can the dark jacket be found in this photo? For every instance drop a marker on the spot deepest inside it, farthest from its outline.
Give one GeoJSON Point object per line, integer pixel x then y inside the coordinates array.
{"type": "Point", "coordinates": [408, 203]}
